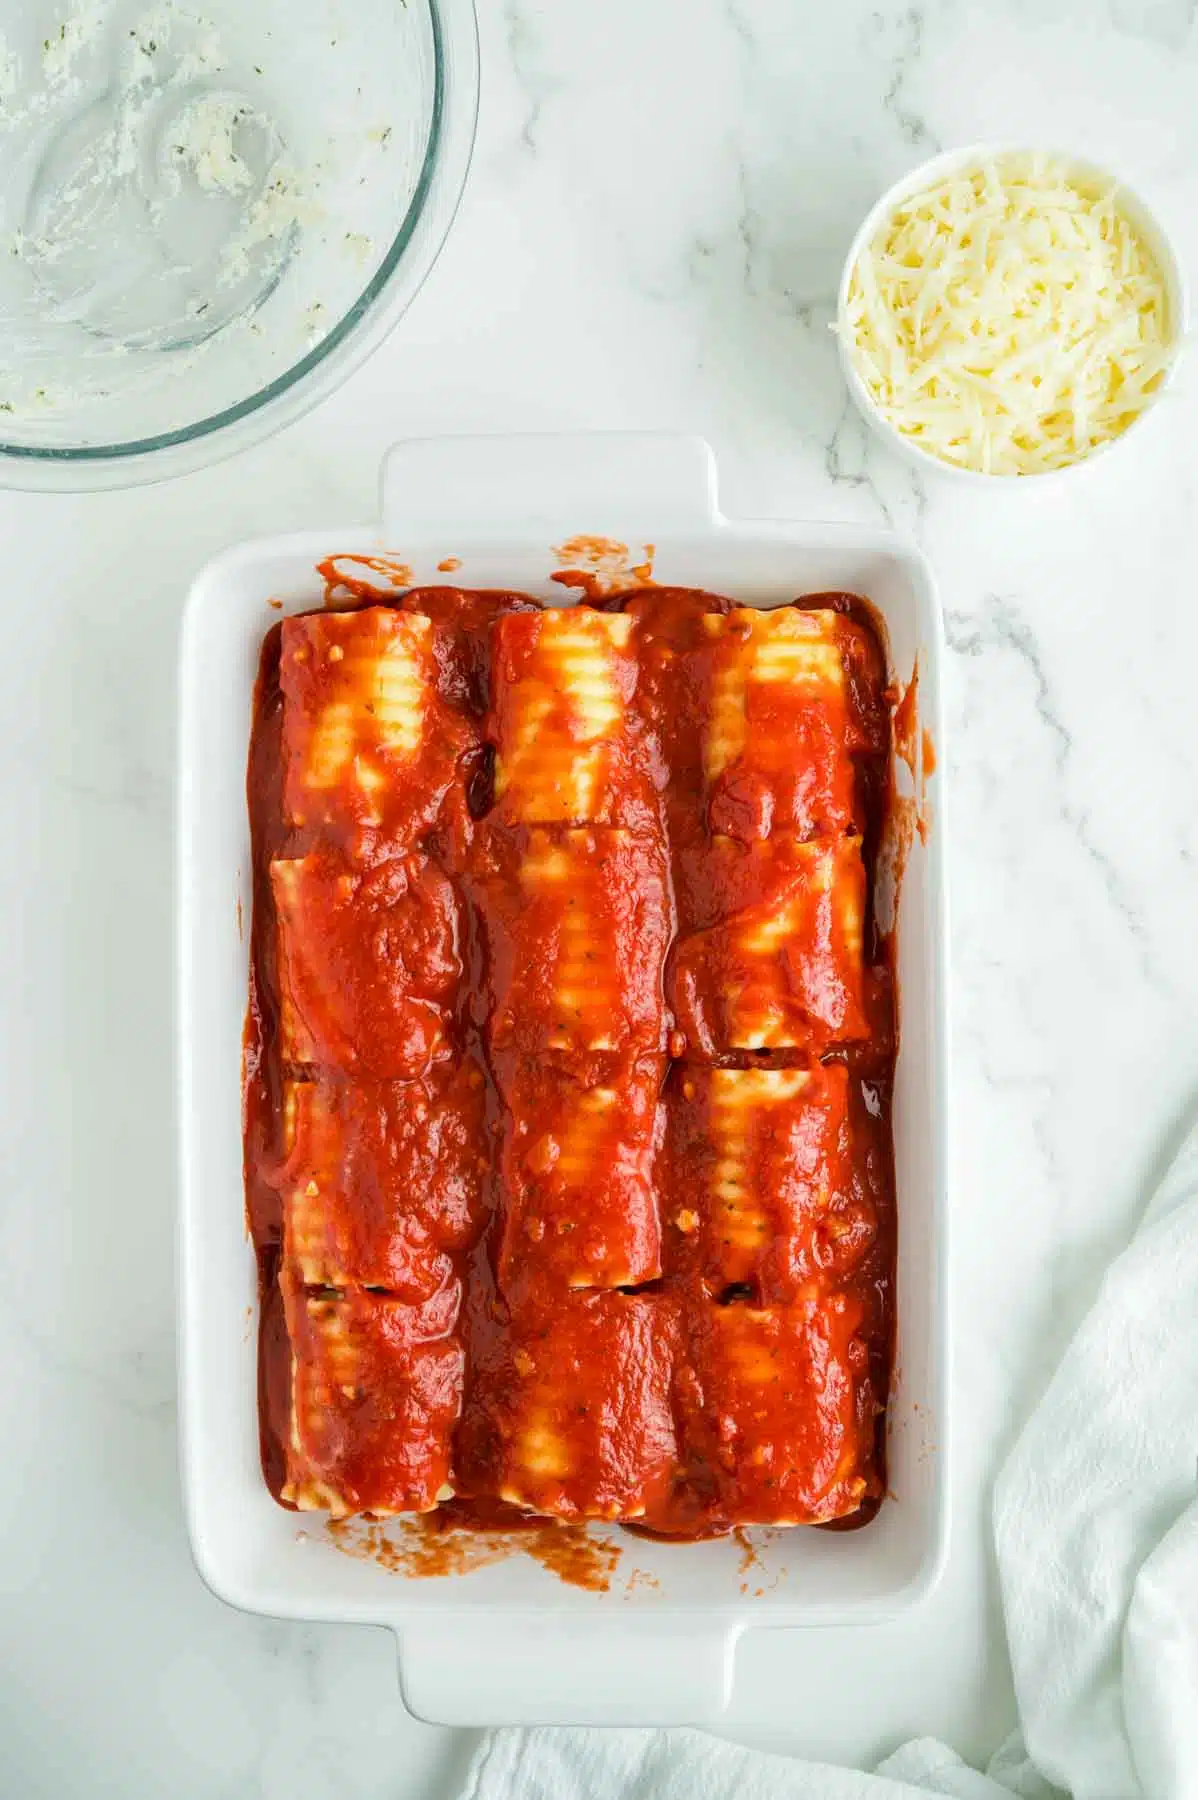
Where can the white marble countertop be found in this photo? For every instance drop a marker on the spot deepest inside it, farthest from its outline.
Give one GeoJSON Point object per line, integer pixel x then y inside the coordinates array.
{"type": "Point", "coordinates": [652, 233]}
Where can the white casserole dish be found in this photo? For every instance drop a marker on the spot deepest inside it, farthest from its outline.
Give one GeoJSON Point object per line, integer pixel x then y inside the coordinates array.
{"type": "Point", "coordinates": [510, 1643]}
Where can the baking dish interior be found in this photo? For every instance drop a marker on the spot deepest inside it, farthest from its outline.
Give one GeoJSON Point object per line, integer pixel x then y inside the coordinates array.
{"type": "Point", "coordinates": [264, 1558]}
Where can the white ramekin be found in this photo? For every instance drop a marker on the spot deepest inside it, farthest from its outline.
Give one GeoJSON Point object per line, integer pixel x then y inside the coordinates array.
{"type": "Point", "coordinates": [927, 175]}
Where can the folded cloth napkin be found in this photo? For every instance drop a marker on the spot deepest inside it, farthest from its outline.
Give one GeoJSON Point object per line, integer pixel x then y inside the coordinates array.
{"type": "Point", "coordinates": [1096, 1531]}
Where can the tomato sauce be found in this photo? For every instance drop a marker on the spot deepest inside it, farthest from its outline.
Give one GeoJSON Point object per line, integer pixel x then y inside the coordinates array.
{"type": "Point", "coordinates": [568, 1149]}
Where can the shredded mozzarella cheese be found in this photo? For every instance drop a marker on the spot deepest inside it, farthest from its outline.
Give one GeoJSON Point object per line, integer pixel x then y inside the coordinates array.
{"type": "Point", "coordinates": [1011, 319]}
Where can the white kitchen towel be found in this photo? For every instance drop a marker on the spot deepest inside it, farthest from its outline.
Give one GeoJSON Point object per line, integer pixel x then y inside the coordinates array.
{"type": "Point", "coordinates": [1096, 1530]}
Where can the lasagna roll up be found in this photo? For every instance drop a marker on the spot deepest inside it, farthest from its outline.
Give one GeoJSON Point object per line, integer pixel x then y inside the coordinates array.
{"type": "Point", "coordinates": [383, 1183]}
{"type": "Point", "coordinates": [570, 1415]}
{"type": "Point", "coordinates": [760, 1182]}
{"type": "Point", "coordinates": [791, 697]}
{"type": "Point", "coordinates": [777, 1411]}
{"type": "Point", "coordinates": [781, 964]}
{"type": "Point", "coordinates": [579, 1195]}
{"type": "Point", "coordinates": [368, 745]}
{"type": "Point", "coordinates": [368, 963]}
{"type": "Point", "coordinates": [577, 923]}
{"type": "Point", "coordinates": [566, 751]}
{"type": "Point", "coordinates": [376, 1392]}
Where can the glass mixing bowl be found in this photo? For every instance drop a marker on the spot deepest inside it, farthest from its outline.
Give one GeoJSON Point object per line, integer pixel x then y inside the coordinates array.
{"type": "Point", "coordinates": [209, 214]}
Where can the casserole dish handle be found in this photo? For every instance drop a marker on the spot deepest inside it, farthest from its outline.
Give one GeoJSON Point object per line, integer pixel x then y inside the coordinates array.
{"type": "Point", "coordinates": [525, 1669]}
{"type": "Point", "coordinates": [559, 484]}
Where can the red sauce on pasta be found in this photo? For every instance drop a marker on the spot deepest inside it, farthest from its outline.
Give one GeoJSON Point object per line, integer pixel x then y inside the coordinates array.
{"type": "Point", "coordinates": [568, 1061]}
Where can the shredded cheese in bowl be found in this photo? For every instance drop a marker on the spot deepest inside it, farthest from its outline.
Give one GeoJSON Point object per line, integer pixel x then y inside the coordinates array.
{"type": "Point", "coordinates": [1009, 318]}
